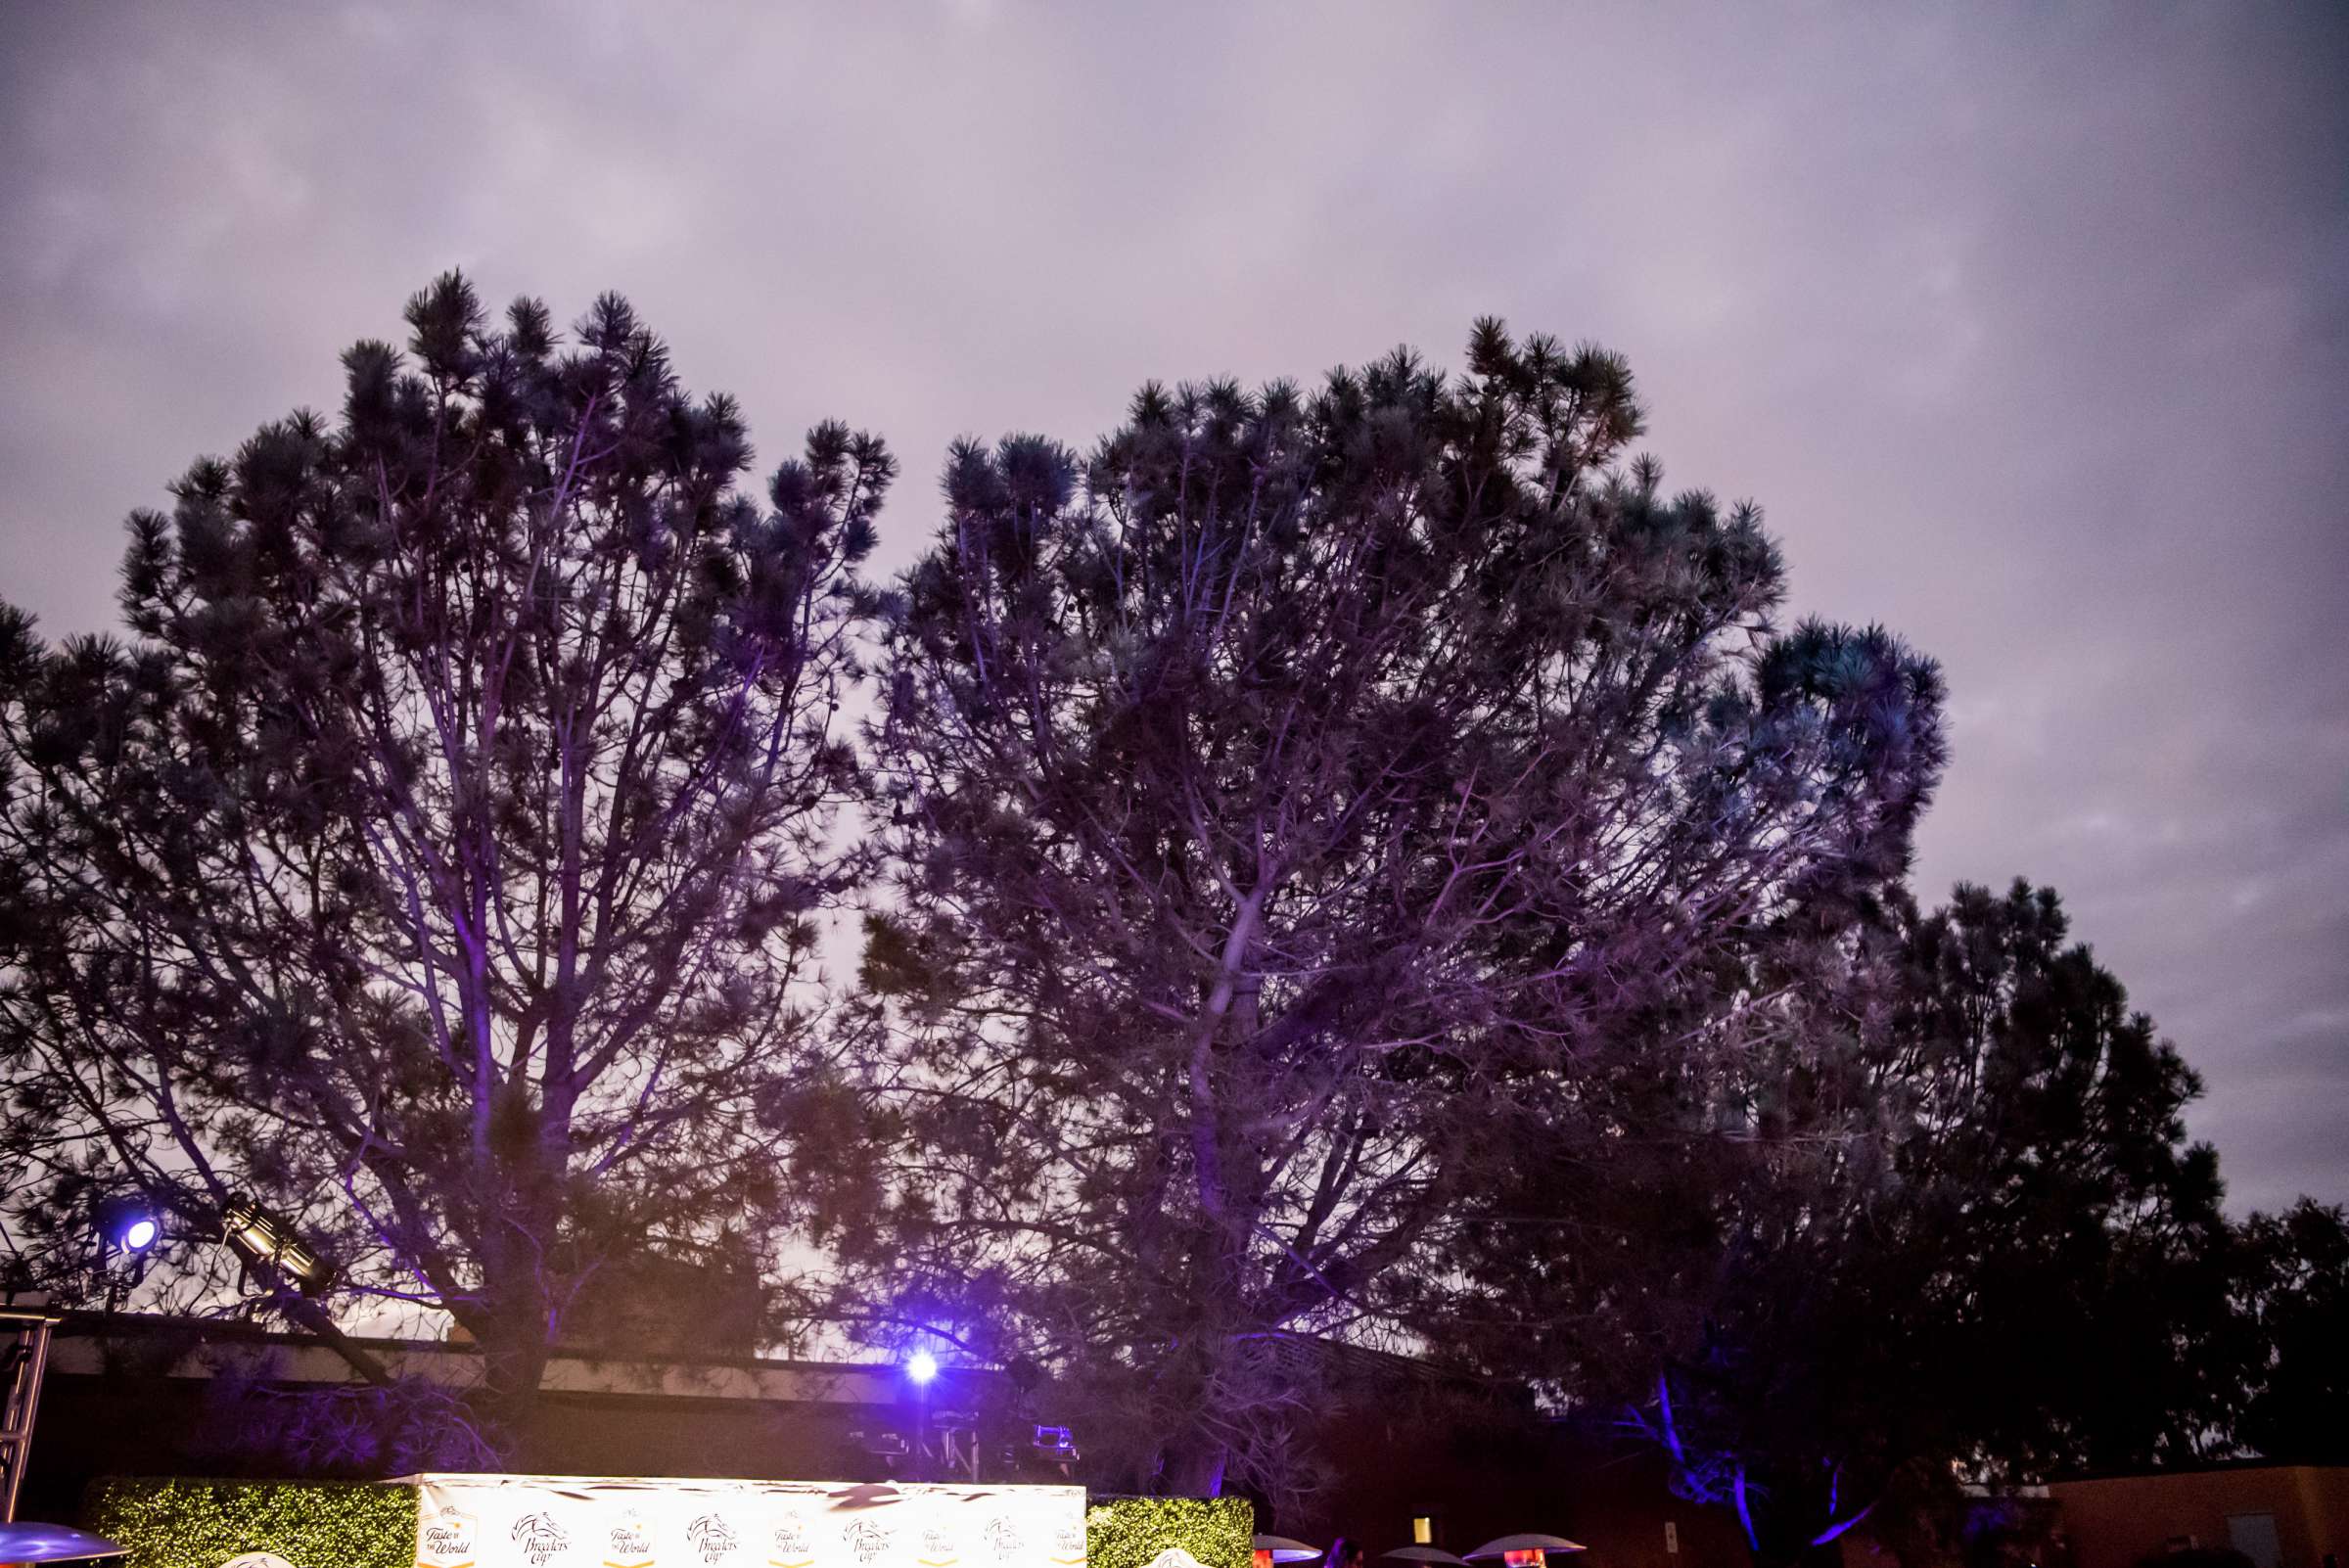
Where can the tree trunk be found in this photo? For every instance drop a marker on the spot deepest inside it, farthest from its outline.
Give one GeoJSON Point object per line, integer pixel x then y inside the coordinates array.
{"type": "Point", "coordinates": [512, 1370]}
{"type": "Point", "coordinates": [514, 1331]}
{"type": "Point", "coordinates": [1193, 1466]}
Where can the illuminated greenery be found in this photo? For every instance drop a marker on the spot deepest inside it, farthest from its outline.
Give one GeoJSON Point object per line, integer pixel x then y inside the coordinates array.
{"type": "Point", "coordinates": [1129, 1531]}
{"type": "Point", "coordinates": [202, 1524]}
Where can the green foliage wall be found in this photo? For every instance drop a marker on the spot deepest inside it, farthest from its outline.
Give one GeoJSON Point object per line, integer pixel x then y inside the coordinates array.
{"type": "Point", "coordinates": [346, 1524]}
{"type": "Point", "coordinates": [202, 1524]}
{"type": "Point", "coordinates": [1129, 1531]}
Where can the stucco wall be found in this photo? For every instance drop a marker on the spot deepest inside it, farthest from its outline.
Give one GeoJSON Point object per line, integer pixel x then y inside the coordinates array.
{"type": "Point", "coordinates": [2116, 1523]}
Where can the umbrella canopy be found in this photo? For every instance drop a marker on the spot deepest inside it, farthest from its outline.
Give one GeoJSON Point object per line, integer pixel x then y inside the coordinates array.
{"type": "Point", "coordinates": [1435, 1554]}
{"type": "Point", "coordinates": [1503, 1545]}
{"type": "Point", "coordinates": [1283, 1549]}
{"type": "Point", "coordinates": [27, 1542]}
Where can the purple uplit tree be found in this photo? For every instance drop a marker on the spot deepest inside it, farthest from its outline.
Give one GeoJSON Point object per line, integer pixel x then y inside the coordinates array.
{"type": "Point", "coordinates": [439, 859]}
{"type": "Point", "coordinates": [1281, 796]}
{"type": "Point", "coordinates": [1942, 1222]}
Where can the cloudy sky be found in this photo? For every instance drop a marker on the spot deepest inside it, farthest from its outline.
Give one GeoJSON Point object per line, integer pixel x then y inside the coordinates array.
{"type": "Point", "coordinates": [2028, 326]}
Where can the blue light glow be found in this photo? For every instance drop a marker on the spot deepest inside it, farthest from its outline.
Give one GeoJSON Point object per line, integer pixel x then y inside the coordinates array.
{"type": "Point", "coordinates": [139, 1234]}
{"type": "Point", "coordinates": [921, 1366]}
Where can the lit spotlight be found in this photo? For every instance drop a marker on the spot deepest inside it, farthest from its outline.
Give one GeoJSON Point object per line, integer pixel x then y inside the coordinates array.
{"type": "Point", "coordinates": [128, 1226]}
{"type": "Point", "coordinates": [921, 1366]}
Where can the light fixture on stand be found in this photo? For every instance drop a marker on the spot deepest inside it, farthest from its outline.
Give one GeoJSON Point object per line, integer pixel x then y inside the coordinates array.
{"type": "Point", "coordinates": [269, 1246]}
{"type": "Point", "coordinates": [128, 1227]}
{"type": "Point", "coordinates": [882, 1443]}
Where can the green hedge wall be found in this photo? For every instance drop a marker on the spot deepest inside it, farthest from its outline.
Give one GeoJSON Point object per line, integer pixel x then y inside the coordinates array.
{"type": "Point", "coordinates": [357, 1524]}
{"type": "Point", "coordinates": [202, 1524]}
{"type": "Point", "coordinates": [1129, 1531]}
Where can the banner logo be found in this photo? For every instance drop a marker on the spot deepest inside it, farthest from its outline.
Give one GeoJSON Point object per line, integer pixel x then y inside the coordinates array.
{"type": "Point", "coordinates": [444, 1536]}
{"type": "Point", "coordinates": [866, 1539]}
{"type": "Point", "coordinates": [937, 1548]}
{"type": "Point", "coordinates": [713, 1538]}
{"type": "Point", "coordinates": [628, 1543]}
{"type": "Point", "coordinates": [787, 1543]}
{"type": "Point", "coordinates": [1002, 1536]}
{"type": "Point", "coordinates": [540, 1539]}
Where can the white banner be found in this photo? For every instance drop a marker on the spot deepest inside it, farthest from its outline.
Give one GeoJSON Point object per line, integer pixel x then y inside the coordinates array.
{"type": "Point", "coordinates": [525, 1521]}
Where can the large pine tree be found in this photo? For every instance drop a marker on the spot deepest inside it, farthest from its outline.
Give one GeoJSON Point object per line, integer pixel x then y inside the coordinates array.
{"type": "Point", "coordinates": [439, 859]}
{"type": "Point", "coordinates": [1279, 792]}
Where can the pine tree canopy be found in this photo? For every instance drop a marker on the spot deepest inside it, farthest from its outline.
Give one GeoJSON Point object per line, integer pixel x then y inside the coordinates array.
{"type": "Point", "coordinates": [1283, 791]}
{"type": "Point", "coordinates": [440, 859]}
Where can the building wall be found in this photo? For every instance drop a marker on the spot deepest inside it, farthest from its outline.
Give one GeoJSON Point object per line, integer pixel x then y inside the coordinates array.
{"type": "Point", "coordinates": [1475, 1484]}
{"type": "Point", "coordinates": [158, 1396]}
{"type": "Point", "coordinates": [97, 1426]}
{"type": "Point", "coordinates": [2119, 1521]}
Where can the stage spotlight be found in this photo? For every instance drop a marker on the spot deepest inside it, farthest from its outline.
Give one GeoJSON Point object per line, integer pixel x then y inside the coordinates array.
{"type": "Point", "coordinates": [267, 1243]}
{"type": "Point", "coordinates": [127, 1226]}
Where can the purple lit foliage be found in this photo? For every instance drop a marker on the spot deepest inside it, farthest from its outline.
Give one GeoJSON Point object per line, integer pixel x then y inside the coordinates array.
{"type": "Point", "coordinates": [441, 860]}
{"type": "Point", "coordinates": [1284, 797]}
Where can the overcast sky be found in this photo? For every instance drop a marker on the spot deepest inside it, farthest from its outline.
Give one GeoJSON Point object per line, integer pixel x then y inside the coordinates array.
{"type": "Point", "coordinates": [2028, 326]}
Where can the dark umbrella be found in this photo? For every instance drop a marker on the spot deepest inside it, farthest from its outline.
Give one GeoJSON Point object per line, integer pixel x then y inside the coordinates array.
{"type": "Point", "coordinates": [1434, 1554]}
{"type": "Point", "coordinates": [1280, 1548]}
{"type": "Point", "coordinates": [1528, 1547]}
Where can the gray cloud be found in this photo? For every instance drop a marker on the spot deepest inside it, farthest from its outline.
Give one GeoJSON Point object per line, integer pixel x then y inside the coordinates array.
{"type": "Point", "coordinates": [2030, 329]}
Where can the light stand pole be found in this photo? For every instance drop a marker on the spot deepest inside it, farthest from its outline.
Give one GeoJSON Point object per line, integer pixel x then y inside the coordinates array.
{"type": "Point", "coordinates": [23, 1357]}
{"type": "Point", "coordinates": [921, 1370]}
